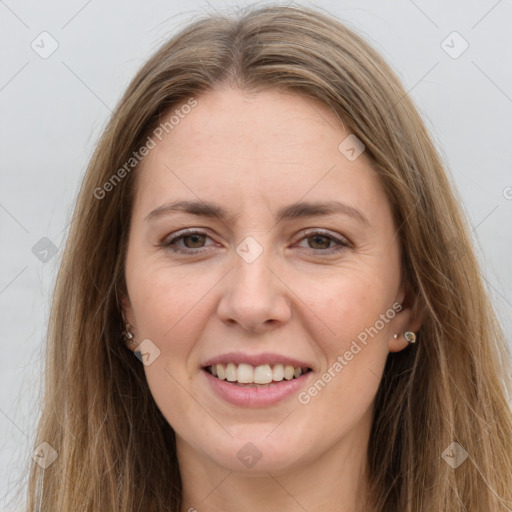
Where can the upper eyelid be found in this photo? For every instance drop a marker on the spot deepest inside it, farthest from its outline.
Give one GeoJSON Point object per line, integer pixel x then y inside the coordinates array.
{"type": "Point", "coordinates": [184, 233]}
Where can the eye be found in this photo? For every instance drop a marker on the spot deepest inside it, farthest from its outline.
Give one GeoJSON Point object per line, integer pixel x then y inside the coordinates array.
{"type": "Point", "coordinates": [192, 239]}
{"type": "Point", "coordinates": [319, 241]}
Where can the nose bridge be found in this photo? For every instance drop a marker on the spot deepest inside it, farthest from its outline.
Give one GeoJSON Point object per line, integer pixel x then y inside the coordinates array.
{"type": "Point", "coordinates": [252, 279]}
{"type": "Point", "coordinates": [254, 294]}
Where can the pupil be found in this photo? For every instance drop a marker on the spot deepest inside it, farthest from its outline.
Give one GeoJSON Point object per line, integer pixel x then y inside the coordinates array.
{"type": "Point", "coordinates": [193, 236]}
{"type": "Point", "coordinates": [316, 237]}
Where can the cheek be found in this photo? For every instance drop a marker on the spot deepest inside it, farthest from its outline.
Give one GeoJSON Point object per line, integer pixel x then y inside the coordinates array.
{"type": "Point", "coordinates": [167, 302]}
{"type": "Point", "coordinates": [355, 346]}
{"type": "Point", "coordinates": [354, 352]}
{"type": "Point", "coordinates": [171, 310]}
{"type": "Point", "coordinates": [171, 314]}
{"type": "Point", "coordinates": [168, 311]}
{"type": "Point", "coordinates": [350, 306]}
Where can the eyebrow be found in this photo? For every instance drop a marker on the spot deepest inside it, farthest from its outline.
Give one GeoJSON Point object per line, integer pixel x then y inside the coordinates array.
{"type": "Point", "coordinates": [293, 211]}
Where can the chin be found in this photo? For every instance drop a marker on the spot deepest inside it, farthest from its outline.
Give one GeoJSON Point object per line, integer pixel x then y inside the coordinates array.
{"type": "Point", "coordinates": [253, 450]}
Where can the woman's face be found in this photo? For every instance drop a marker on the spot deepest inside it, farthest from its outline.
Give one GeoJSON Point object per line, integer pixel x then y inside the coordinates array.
{"type": "Point", "coordinates": [268, 279]}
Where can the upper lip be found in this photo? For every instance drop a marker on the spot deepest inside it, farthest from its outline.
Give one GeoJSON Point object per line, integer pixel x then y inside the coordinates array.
{"type": "Point", "coordinates": [255, 359]}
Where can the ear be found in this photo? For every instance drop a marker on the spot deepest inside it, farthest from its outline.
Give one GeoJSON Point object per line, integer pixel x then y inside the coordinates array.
{"type": "Point", "coordinates": [409, 318]}
{"type": "Point", "coordinates": [126, 308]}
{"type": "Point", "coordinates": [128, 317]}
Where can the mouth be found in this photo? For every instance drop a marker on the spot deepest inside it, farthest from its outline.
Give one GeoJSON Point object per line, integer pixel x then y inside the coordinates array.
{"type": "Point", "coordinates": [247, 375]}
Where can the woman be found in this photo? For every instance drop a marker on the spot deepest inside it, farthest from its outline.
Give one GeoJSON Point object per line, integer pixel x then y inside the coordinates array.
{"type": "Point", "coordinates": [267, 226]}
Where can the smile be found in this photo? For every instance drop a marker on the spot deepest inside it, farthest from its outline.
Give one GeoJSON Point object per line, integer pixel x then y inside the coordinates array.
{"type": "Point", "coordinates": [261, 390]}
{"type": "Point", "coordinates": [262, 375]}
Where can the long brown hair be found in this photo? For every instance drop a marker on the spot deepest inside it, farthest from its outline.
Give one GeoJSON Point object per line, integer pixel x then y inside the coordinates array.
{"type": "Point", "coordinates": [115, 449]}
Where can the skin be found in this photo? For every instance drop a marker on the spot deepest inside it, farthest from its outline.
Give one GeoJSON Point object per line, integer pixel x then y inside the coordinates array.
{"type": "Point", "coordinates": [253, 154]}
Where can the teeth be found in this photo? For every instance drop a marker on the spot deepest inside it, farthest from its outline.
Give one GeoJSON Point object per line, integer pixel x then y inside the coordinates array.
{"type": "Point", "coordinates": [288, 372]}
{"type": "Point", "coordinates": [278, 373]}
{"type": "Point", "coordinates": [263, 374]}
{"type": "Point", "coordinates": [231, 372]}
{"type": "Point", "coordinates": [246, 373]}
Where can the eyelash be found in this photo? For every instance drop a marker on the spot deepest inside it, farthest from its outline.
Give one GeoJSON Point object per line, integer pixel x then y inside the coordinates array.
{"type": "Point", "coordinates": [168, 245]}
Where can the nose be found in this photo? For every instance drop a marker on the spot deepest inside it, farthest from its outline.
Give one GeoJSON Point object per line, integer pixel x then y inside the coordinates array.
{"type": "Point", "coordinates": [255, 297]}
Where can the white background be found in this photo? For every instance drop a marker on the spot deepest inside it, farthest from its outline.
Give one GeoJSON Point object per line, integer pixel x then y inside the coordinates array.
{"type": "Point", "coordinates": [53, 111]}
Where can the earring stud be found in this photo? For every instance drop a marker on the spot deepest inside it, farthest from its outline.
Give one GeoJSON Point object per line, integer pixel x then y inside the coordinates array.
{"type": "Point", "coordinates": [408, 335]}
{"type": "Point", "coordinates": [128, 336]}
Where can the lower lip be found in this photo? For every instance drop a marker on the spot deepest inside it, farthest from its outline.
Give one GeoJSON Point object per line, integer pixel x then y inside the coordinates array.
{"type": "Point", "coordinates": [257, 396]}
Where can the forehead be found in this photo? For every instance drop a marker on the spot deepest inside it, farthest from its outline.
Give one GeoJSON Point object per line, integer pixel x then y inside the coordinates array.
{"type": "Point", "coordinates": [270, 148]}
